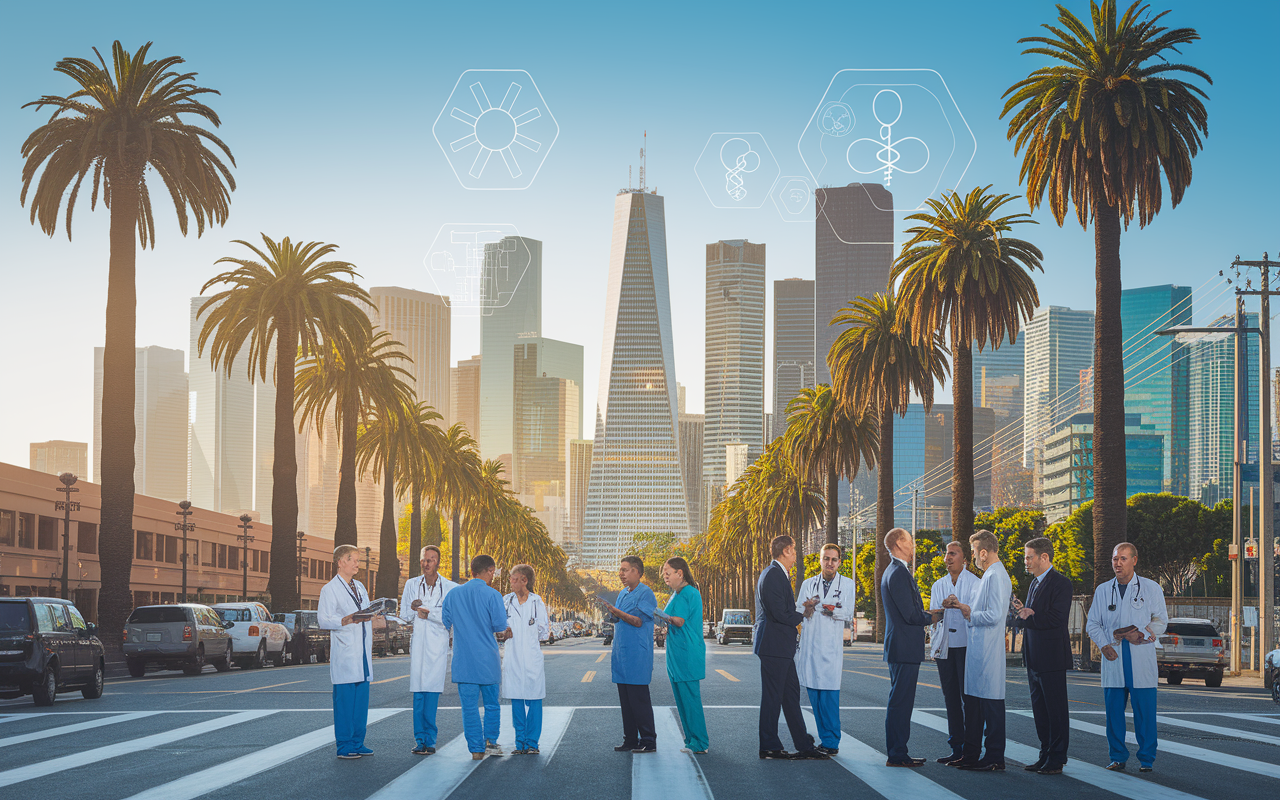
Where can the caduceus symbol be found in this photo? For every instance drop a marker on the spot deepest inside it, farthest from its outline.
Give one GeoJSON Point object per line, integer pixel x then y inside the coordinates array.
{"type": "Point", "coordinates": [744, 160]}
{"type": "Point", "coordinates": [887, 108]}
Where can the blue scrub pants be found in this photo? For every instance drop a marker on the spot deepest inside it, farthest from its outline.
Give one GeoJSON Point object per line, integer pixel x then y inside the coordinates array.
{"type": "Point", "coordinates": [826, 712]}
{"type": "Point", "coordinates": [1144, 715]}
{"type": "Point", "coordinates": [350, 715]}
{"type": "Point", "coordinates": [424, 718]}
{"type": "Point", "coordinates": [526, 718]}
{"type": "Point", "coordinates": [471, 694]}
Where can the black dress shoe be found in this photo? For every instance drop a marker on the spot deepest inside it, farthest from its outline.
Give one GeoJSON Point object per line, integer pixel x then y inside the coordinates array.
{"type": "Point", "coordinates": [827, 751]}
{"type": "Point", "coordinates": [776, 755]}
{"type": "Point", "coordinates": [984, 766]}
{"type": "Point", "coordinates": [909, 762]}
{"type": "Point", "coordinates": [645, 748]}
{"type": "Point", "coordinates": [954, 758]}
{"type": "Point", "coordinates": [1050, 768]}
{"type": "Point", "coordinates": [1036, 767]}
{"type": "Point", "coordinates": [810, 755]}
{"type": "Point", "coordinates": [626, 748]}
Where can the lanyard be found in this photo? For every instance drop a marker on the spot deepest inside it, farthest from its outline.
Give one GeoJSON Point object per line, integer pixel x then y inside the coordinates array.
{"type": "Point", "coordinates": [353, 592]}
{"type": "Point", "coordinates": [425, 590]}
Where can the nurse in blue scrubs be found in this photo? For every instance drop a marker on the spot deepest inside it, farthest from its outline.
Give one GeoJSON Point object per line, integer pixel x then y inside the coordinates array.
{"type": "Point", "coordinates": [632, 660]}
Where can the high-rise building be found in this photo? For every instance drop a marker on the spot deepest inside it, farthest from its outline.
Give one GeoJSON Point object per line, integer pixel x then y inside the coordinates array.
{"type": "Point", "coordinates": [1068, 462]}
{"type": "Point", "coordinates": [159, 418]}
{"type": "Point", "coordinates": [736, 461]}
{"type": "Point", "coordinates": [636, 486]}
{"type": "Point", "coordinates": [577, 480]}
{"type": "Point", "coordinates": [692, 428]}
{"type": "Point", "coordinates": [998, 382]}
{"type": "Point", "coordinates": [464, 395]}
{"type": "Point", "coordinates": [1059, 343]}
{"type": "Point", "coordinates": [1212, 411]}
{"type": "Point", "coordinates": [510, 312]}
{"type": "Point", "coordinates": [853, 255]}
{"type": "Point", "coordinates": [794, 345]}
{"type": "Point", "coordinates": [56, 457]}
{"type": "Point", "coordinates": [421, 323]}
{"type": "Point", "coordinates": [546, 414]}
{"type": "Point", "coordinates": [734, 377]}
{"type": "Point", "coordinates": [1157, 372]}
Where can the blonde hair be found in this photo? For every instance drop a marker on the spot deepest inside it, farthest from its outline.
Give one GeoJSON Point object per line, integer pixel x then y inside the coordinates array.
{"type": "Point", "coordinates": [340, 552]}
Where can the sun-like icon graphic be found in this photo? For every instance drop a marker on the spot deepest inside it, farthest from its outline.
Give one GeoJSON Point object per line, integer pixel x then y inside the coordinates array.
{"type": "Point", "coordinates": [495, 130]}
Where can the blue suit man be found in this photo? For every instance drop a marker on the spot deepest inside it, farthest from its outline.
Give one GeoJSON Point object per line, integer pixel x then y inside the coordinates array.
{"type": "Point", "coordinates": [905, 619]}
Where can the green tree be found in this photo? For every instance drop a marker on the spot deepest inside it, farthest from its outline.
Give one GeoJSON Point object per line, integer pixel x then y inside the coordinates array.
{"type": "Point", "coordinates": [126, 123]}
{"type": "Point", "coordinates": [787, 501]}
{"type": "Point", "coordinates": [1073, 548]}
{"type": "Point", "coordinates": [1104, 129]}
{"type": "Point", "coordinates": [386, 446]}
{"type": "Point", "coordinates": [1013, 528]}
{"type": "Point", "coordinates": [1173, 535]}
{"type": "Point", "coordinates": [458, 483]}
{"type": "Point", "coordinates": [960, 272]}
{"type": "Point", "coordinates": [654, 549]}
{"type": "Point", "coordinates": [287, 300]}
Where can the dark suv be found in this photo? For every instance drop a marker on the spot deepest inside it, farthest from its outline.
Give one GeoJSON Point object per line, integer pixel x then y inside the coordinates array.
{"type": "Point", "coordinates": [47, 647]}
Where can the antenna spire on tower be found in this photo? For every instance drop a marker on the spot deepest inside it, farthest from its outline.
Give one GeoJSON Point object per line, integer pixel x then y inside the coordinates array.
{"type": "Point", "coordinates": [642, 149]}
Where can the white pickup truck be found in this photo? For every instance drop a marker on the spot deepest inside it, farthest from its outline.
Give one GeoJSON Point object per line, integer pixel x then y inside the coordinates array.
{"type": "Point", "coordinates": [255, 637]}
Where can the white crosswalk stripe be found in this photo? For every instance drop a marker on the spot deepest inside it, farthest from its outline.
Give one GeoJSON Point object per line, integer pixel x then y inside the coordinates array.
{"type": "Point", "coordinates": [80, 759]}
{"type": "Point", "coordinates": [1117, 782]}
{"type": "Point", "coordinates": [653, 774]}
{"type": "Point", "coordinates": [1236, 732]}
{"type": "Point", "coordinates": [62, 730]}
{"type": "Point", "coordinates": [1189, 751]}
{"type": "Point", "coordinates": [225, 774]}
{"type": "Point", "coordinates": [1254, 718]}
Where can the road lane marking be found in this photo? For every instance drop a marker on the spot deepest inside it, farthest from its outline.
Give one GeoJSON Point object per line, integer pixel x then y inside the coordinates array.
{"type": "Point", "coordinates": [80, 759]}
{"type": "Point", "coordinates": [1251, 717]}
{"type": "Point", "coordinates": [389, 680]}
{"type": "Point", "coordinates": [1190, 751]}
{"type": "Point", "coordinates": [260, 688]}
{"type": "Point", "coordinates": [589, 676]}
{"type": "Point", "coordinates": [238, 769]}
{"type": "Point", "coordinates": [727, 675]}
{"type": "Point", "coordinates": [1236, 732]}
{"type": "Point", "coordinates": [654, 776]}
{"type": "Point", "coordinates": [868, 765]}
{"type": "Point", "coordinates": [601, 658]}
{"type": "Point", "coordinates": [885, 678]}
{"type": "Point", "coordinates": [73, 728]}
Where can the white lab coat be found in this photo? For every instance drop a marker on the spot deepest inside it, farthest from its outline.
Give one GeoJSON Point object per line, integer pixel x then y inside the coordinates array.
{"type": "Point", "coordinates": [984, 657]}
{"type": "Point", "coordinates": [965, 589]}
{"type": "Point", "coordinates": [348, 654]}
{"type": "Point", "coordinates": [1142, 605]}
{"type": "Point", "coordinates": [429, 648]}
{"type": "Point", "coordinates": [821, 657]}
{"type": "Point", "coordinates": [523, 676]}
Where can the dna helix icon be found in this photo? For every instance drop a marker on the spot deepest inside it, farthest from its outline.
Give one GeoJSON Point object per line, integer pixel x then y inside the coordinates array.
{"type": "Point", "coordinates": [744, 160]}
{"type": "Point", "coordinates": [887, 108]}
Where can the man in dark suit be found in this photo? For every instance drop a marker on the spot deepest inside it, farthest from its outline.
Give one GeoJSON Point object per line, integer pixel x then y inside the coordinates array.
{"type": "Point", "coordinates": [774, 641]}
{"type": "Point", "coordinates": [905, 619]}
{"type": "Point", "coordinates": [1046, 652]}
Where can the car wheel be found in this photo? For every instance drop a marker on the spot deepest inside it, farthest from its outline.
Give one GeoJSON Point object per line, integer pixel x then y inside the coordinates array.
{"type": "Point", "coordinates": [93, 689]}
{"type": "Point", "coordinates": [46, 690]}
{"type": "Point", "coordinates": [196, 665]}
{"type": "Point", "coordinates": [260, 657]}
{"type": "Point", "coordinates": [137, 667]}
{"type": "Point", "coordinates": [224, 664]}
{"type": "Point", "coordinates": [277, 660]}
{"type": "Point", "coordinates": [1174, 679]}
{"type": "Point", "coordinates": [1275, 690]}
{"type": "Point", "coordinates": [1213, 680]}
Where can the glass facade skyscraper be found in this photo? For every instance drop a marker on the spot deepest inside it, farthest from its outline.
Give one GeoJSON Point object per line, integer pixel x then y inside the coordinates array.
{"type": "Point", "coordinates": [1068, 463]}
{"type": "Point", "coordinates": [1212, 410]}
{"type": "Point", "coordinates": [510, 312]}
{"type": "Point", "coordinates": [160, 417]}
{"type": "Point", "coordinates": [546, 408]}
{"type": "Point", "coordinates": [1058, 347]}
{"type": "Point", "coordinates": [794, 345]}
{"type": "Point", "coordinates": [1156, 372]}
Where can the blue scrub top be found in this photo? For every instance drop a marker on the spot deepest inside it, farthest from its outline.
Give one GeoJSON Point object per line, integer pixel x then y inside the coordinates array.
{"type": "Point", "coordinates": [686, 649]}
{"type": "Point", "coordinates": [474, 612]}
{"type": "Point", "coordinates": [632, 659]}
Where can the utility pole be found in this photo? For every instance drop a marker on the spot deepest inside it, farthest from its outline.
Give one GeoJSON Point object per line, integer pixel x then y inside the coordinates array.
{"type": "Point", "coordinates": [66, 506]}
{"type": "Point", "coordinates": [1238, 453]}
{"type": "Point", "coordinates": [184, 509]}
{"type": "Point", "coordinates": [244, 537]}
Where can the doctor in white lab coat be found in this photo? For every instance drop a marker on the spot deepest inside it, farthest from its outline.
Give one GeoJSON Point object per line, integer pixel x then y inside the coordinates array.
{"type": "Point", "coordinates": [350, 651]}
{"type": "Point", "coordinates": [421, 606]}
{"type": "Point", "coordinates": [963, 584]}
{"type": "Point", "coordinates": [1129, 670]}
{"type": "Point", "coordinates": [985, 658]}
{"type": "Point", "coordinates": [524, 681]}
{"type": "Point", "coordinates": [820, 662]}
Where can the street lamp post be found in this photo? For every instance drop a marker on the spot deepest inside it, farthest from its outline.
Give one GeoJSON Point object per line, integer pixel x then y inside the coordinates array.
{"type": "Point", "coordinates": [66, 506]}
{"type": "Point", "coordinates": [184, 510]}
{"type": "Point", "coordinates": [302, 550]}
{"type": "Point", "coordinates": [368, 576]}
{"type": "Point", "coordinates": [244, 537]}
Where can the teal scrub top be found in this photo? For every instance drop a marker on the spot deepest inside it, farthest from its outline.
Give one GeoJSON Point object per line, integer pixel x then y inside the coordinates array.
{"type": "Point", "coordinates": [632, 660]}
{"type": "Point", "coordinates": [686, 649]}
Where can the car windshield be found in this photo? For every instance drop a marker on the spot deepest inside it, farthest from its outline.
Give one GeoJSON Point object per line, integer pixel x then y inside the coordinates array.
{"type": "Point", "coordinates": [235, 614]}
{"type": "Point", "coordinates": [1191, 629]}
{"type": "Point", "coordinates": [14, 617]}
{"type": "Point", "coordinates": [737, 618]}
{"type": "Point", "coordinates": [151, 615]}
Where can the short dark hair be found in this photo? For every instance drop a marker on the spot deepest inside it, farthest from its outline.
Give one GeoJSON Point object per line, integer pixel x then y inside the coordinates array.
{"type": "Point", "coordinates": [780, 545]}
{"type": "Point", "coordinates": [634, 561]}
{"type": "Point", "coordinates": [678, 563]}
{"type": "Point", "coordinates": [526, 571]}
{"type": "Point", "coordinates": [959, 546]}
{"type": "Point", "coordinates": [984, 540]}
{"type": "Point", "coordinates": [482, 563]}
{"type": "Point", "coordinates": [1041, 546]}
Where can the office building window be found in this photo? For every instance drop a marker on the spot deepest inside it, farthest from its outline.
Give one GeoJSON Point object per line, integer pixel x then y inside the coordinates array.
{"type": "Point", "coordinates": [142, 545]}
{"type": "Point", "coordinates": [8, 528]}
{"type": "Point", "coordinates": [86, 538]}
{"type": "Point", "coordinates": [222, 556]}
{"type": "Point", "coordinates": [233, 558]}
{"type": "Point", "coordinates": [27, 531]}
{"type": "Point", "coordinates": [47, 534]}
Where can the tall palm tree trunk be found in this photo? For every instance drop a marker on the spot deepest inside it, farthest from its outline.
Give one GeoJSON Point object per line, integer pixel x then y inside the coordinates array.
{"type": "Point", "coordinates": [833, 505]}
{"type": "Point", "coordinates": [961, 439]}
{"type": "Point", "coordinates": [1109, 470]}
{"type": "Point", "coordinates": [884, 507]}
{"type": "Point", "coordinates": [800, 535]}
{"type": "Point", "coordinates": [282, 578]}
{"type": "Point", "coordinates": [432, 533]}
{"type": "Point", "coordinates": [115, 548]}
{"type": "Point", "coordinates": [455, 544]}
{"type": "Point", "coordinates": [388, 560]}
{"type": "Point", "coordinates": [415, 533]}
{"type": "Point", "coordinates": [345, 531]}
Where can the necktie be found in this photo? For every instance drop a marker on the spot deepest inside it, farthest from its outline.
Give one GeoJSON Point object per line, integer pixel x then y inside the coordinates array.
{"type": "Point", "coordinates": [1031, 593]}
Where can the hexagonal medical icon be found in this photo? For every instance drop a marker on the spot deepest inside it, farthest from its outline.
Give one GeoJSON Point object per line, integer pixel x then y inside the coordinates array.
{"type": "Point", "coordinates": [792, 196]}
{"type": "Point", "coordinates": [736, 170]}
{"type": "Point", "coordinates": [478, 266]}
{"type": "Point", "coordinates": [495, 112]}
{"type": "Point", "coordinates": [899, 128]}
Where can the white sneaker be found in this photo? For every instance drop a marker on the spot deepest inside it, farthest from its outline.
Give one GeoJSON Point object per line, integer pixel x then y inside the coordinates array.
{"type": "Point", "coordinates": [492, 748]}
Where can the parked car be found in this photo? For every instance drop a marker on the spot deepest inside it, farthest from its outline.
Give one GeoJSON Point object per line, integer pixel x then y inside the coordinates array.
{"type": "Point", "coordinates": [1191, 648]}
{"type": "Point", "coordinates": [184, 636]}
{"type": "Point", "coordinates": [255, 636]}
{"type": "Point", "coordinates": [606, 631]}
{"type": "Point", "coordinates": [305, 636]}
{"type": "Point", "coordinates": [734, 624]}
{"type": "Point", "coordinates": [1271, 674]}
{"type": "Point", "coordinates": [47, 647]}
{"type": "Point", "coordinates": [393, 638]}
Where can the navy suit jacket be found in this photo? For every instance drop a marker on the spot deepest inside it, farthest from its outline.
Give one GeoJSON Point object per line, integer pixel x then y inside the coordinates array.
{"type": "Point", "coordinates": [776, 615]}
{"type": "Point", "coordinates": [1046, 644]}
{"type": "Point", "coordinates": [905, 616]}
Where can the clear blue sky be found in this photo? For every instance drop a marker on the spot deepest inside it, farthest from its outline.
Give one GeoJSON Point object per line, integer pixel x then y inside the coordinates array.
{"type": "Point", "coordinates": [328, 108]}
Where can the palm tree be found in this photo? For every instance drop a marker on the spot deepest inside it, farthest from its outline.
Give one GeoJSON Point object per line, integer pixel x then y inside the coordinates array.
{"type": "Point", "coordinates": [1101, 128]}
{"type": "Point", "coordinates": [458, 482]}
{"type": "Point", "coordinates": [787, 500]}
{"type": "Point", "coordinates": [288, 301]}
{"type": "Point", "coordinates": [826, 443]}
{"type": "Point", "coordinates": [119, 122]}
{"type": "Point", "coordinates": [422, 468]}
{"type": "Point", "coordinates": [876, 364]}
{"type": "Point", "coordinates": [352, 377]}
{"type": "Point", "coordinates": [961, 274]}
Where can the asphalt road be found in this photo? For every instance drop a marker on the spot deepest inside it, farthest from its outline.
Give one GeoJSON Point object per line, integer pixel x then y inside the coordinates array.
{"type": "Point", "coordinates": [242, 733]}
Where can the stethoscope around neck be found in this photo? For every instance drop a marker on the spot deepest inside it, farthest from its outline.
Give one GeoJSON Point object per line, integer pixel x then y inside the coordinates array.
{"type": "Point", "coordinates": [1137, 600]}
{"type": "Point", "coordinates": [532, 619]}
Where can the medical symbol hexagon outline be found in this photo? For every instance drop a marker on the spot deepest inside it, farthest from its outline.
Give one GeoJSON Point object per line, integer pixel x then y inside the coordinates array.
{"type": "Point", "coordinates": [736, 170]}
